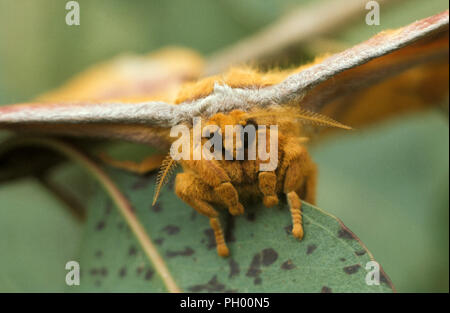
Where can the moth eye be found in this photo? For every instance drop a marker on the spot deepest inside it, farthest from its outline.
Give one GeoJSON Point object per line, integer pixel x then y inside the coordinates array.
{"type": "Point", "coordinates": [251, 122]}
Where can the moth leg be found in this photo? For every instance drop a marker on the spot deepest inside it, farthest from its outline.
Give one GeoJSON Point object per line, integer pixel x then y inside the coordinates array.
{"type": "Point", "coordinates": [222, 249]}
{"type": "Point", "coordinates": [267, 185]}
{"type": "Point", "coordinates": [300, 179]}
{"type": "Point", "coordinates": [197, 194]}
{"type": "Point", "coordinates": [229, 195]}
{"type": "Point", "coordinates": [295, 206]}
{"type": "Point", "coordinates": [213, 175]}
{"type": "Point", "coordinates": [149, 164]}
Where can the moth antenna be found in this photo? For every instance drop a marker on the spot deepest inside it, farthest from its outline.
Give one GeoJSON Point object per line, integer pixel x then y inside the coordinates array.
{"type": "Point", "coordinates": [305, 115]}
{"type": "Point", "coordinates": [167, 168]}
{"type": "Point", "coordinates": [319, 119]}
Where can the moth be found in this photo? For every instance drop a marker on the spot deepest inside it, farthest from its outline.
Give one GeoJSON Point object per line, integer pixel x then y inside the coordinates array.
{"type": "Point", "coordinates": [142, 99]}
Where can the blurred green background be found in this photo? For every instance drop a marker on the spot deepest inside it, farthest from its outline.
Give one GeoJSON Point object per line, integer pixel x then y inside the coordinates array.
{"type": "Point", "coordinates": [388, 183]}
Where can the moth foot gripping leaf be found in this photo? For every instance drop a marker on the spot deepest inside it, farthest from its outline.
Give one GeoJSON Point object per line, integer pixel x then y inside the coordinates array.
{"type": "Point", "coordinates": [295, 206]}
{"type": "Point", "coordinates": [267, 185]}
{"type": "Point", "coordinates": [222, 248]}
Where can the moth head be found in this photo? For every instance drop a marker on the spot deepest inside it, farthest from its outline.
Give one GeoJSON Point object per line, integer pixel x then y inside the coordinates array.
{"type": "Point", "coordinates": [224, 126]}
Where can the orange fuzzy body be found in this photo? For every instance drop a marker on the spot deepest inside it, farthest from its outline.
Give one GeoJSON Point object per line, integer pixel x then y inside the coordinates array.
{"type": "Point", "coordinates": [207, 184]}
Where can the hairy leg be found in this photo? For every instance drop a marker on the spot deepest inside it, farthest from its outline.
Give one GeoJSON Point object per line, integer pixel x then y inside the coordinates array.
{"type": "Point", "coordinates": [267, 185]}
{"type": "Point", "coordinates": [214, 176]}
{"type": "Point", "coordinates": [300, 178]}
{"type": "Point", "coordinates": [192, 190]}
{"type": "Point", "coordinates": [229, 196]}
{"type": "Point", "coordinates": [295, 206]}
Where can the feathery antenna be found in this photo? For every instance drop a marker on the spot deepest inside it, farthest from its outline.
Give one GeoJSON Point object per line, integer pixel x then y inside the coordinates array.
{"type": "Point", "coordinates": [167, 168]}
{"type": "Point", "coordinates": [319, 119]}
{"type": "Point", "coordinates": [304, 115]}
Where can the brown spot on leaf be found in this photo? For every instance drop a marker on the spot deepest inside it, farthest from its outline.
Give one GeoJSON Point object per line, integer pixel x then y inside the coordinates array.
{"type": "Point", "coordinates": [98, 254]}
{"type": "Point", "coordinates": [384, 279]}
{"type": "Point", "coordinates": [310, 249]}
{"type": "Point", "coordinates": [103, 271]}
{"type": "Point", "coordinates": [255, 266]}
{"type": "Point", "coordinates": [122, 272]}
{"type": "Point", "coordinates": [212, 285]}
{"type": "Point", "coordinates": [326, 289]}
{"type": "Point", "coordinates": [210, 237]}
{"type": "Point", "coordinates": [269, 256]}
{"type": "Point", "coordinates": [186, 252]}
{"type": "Point", "coordinates": [352, 269]}
{"type": "Point", "coordinates": [288, 265]}
{"type": "Point", "coordinates": [234, 268]}
{"type": "Point", "coordinates": [132, 251]}
{"type": "Point", "coordinates": [100, 225]}
{"type": "Point", "coordinates": [360, 252]}
{"type": "Point", "coordinates": [345, 233]}
{"type": "Point", "coordinates": [171, 229]}
{"type": "Point", "coordinates": [159, 241]}
{"type": "Point", "coordinates": [148, 274]}
{"type": "Point", "coordinates": [266, 257]}
{"type": "Point", "coordinates": [229, 230]}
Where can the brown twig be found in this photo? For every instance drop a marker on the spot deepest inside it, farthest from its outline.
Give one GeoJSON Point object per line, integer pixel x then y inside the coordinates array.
{"type": "Point", "coordinates": [302, 24]}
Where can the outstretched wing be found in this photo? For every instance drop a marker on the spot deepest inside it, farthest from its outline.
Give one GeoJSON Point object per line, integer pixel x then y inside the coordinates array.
{"type": "Point", "coordinates": [395, 71]}
{"type": "Point", "coordinates": [407, 65]}
{"type": "Point", "coordinates": [420, 45]}
{"type": "Point", "coordinates": [121, 99]}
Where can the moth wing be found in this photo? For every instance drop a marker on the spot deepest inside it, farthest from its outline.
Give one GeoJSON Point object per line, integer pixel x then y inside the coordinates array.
{"type": "Point", "coordinates": [350, 81]}
{"type": "Point", "coordinates": [337, 77]}
{"type": "Point", "coordinates": [125, 98]}
{"type": "Point", "coordinates": [143, 122]}
{"type": "Point", "coordinates": [157, 75]}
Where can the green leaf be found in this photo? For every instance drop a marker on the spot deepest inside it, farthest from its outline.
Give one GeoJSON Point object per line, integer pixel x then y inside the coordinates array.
{"type": "Point", "coordinates": [265, 257]}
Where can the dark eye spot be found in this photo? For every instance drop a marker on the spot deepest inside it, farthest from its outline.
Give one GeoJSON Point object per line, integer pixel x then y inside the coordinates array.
{"type": "Point", "coordinates": [251, 121]}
